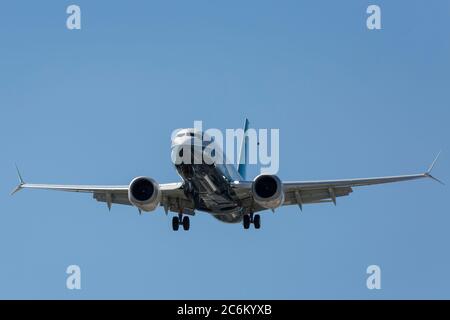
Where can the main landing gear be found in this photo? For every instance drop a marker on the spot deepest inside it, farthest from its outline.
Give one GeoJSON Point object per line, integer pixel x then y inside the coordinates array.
{"type": "Point", "coordinates": [250, 218]}
{"type": "Point", "coordinates": [184, 221]}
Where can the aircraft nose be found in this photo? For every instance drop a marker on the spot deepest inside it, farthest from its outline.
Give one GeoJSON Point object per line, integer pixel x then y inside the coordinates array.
{"type": "Point", "coordinates": [182, 141]}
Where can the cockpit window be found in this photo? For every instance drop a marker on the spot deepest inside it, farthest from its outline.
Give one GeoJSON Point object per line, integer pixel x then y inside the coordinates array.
{"type": "Point", "coordinates": [190, 134]}
{"type": "Point", "coordinates": [194, 134]}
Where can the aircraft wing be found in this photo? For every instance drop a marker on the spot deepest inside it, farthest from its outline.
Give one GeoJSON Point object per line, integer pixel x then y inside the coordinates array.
{"type": "Point", "coordinates": [173, 196]}
{"type": "Point", "coordinates": [304, 192]}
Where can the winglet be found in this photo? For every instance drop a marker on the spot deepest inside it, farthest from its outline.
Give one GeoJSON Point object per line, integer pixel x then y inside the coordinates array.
{"type": "Point", "coordinates": [434, 162]}
{"type": "Point", "coordinates": [428, 173]}
{"type": "Point", "coordinates": [21, 182]}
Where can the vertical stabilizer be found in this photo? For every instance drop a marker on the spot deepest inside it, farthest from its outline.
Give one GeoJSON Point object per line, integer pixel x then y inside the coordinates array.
{"type": "Point", "coordinates": [242, 165]}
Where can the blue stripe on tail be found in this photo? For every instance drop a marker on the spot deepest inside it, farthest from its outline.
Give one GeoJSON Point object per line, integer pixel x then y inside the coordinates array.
{"type": "Point", "coordinates": [242, 165]}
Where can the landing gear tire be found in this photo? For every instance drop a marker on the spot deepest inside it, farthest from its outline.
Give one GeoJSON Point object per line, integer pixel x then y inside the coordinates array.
{"type": "Point", "coordinates": [246, 221]}
{"type": "Point", "coordinates": [175, 223]}
{"type": "Point", "coordinates": [257, 221]}
{"type": "Point", "coordinates": [186, 223]}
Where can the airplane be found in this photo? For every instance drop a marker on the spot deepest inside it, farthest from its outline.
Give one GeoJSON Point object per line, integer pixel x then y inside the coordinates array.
{"type": "Point", "coordinates": [220, 190]}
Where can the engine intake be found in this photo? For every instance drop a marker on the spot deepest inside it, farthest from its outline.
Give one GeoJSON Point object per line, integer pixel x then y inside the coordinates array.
{"type": "Point", "coordinates": [268, 191]}
{"type": "Point", "coordinates": [144, 193]}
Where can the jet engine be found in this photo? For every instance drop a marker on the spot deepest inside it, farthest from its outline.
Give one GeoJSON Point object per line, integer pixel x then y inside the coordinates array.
{"type": "Point", "coordinates": [268, 191]}
{"type": "Point", "coordinates": [144, 193]}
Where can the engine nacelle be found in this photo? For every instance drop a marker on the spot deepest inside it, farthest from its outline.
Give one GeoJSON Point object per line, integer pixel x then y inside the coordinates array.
{"type": "Point", "coordinates": [268, 191]}
{"type": "Point", "coordinates": [144, 193]}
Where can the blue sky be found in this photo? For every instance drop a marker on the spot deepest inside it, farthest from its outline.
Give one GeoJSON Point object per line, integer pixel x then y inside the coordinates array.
{"type": "Point", "coordinates": [98, 105]}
